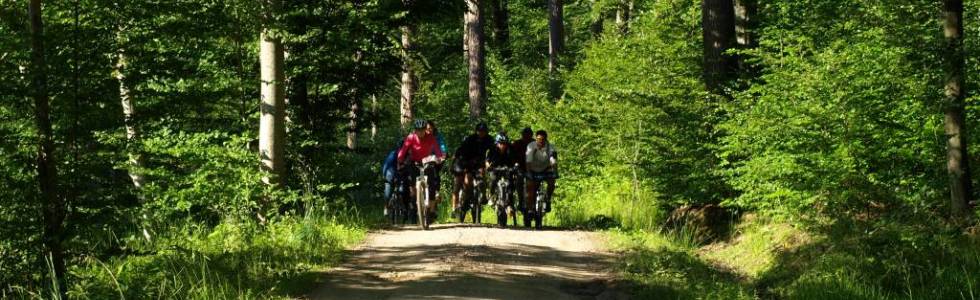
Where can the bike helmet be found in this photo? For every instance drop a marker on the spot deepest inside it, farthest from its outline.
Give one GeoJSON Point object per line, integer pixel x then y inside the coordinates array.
{"type": "Point", "coordinates": [482, 127]}
{"type": "Point", "coordinates": [501, 138]}
{"type": "Point", "coordinates": [527, 130]}
{"type": "Point", "coordinates": [419, 124]}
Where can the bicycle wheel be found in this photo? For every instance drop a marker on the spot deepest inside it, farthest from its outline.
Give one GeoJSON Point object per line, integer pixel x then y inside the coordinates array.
{"type": "Point", "coordinates": [500, 205]}
{"type": "Point", "coordinates": [394, 210]}
{"type": "Point", "coordinates": [420, 192]}
{"type": "Point", "coordinates": [477, 207]}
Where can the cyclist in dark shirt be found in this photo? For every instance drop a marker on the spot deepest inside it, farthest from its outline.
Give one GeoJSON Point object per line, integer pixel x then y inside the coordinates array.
{"type": "Point", "coordinates": [469, 159]}
{"type": "Point", "coordinates": [518, 149]}
{"type": "Point", "coordinates": [501, 156]}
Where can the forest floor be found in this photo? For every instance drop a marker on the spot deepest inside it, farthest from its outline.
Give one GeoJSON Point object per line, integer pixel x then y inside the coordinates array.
{"type": "Point", "coordinates": [454, 261]}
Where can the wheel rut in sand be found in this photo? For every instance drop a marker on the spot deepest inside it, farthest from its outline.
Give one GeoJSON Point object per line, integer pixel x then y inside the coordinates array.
{"type": "Point", "coordinates": [454, 261]}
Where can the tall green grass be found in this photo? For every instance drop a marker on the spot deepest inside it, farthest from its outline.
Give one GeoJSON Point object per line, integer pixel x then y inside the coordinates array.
{"type": "Point", "coordinates": [774, 259]}
{"type": "Point", "coordinates": [233, 260]}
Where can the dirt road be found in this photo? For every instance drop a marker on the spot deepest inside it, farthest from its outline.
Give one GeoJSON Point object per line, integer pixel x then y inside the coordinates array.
{"type": "Point", "coordinates": [467, 262]}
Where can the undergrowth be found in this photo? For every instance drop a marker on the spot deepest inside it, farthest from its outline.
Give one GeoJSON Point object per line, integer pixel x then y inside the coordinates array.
{"type": "Point", "coordinates": [233, 260]}
{"type": "Point", "coordinates": [769, 259]}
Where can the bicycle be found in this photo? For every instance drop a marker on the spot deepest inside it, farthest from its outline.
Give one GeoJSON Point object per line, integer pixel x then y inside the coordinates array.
{"type": "Point", "coordinates": [503, 197]}
{"type": "Point", "coordinates": [535, 213]}
{"type": "Point", "coordinates": [472, 198]}
{"type": "Point", "coordinates": [400, 207]}
{"type": "Point", "coordinates": [425, 194]}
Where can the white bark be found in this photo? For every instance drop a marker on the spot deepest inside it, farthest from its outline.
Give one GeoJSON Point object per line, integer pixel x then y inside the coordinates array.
{"type": "Point", "coordinates": [272, 134]}
{"type": "Point", "coordinates": [129, 113]}
{"type": "Point", "coordinates": [408, 77]}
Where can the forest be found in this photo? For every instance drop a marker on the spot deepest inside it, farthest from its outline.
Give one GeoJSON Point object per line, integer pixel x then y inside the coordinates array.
{"type": "Point", "coordinates": [729, 149]}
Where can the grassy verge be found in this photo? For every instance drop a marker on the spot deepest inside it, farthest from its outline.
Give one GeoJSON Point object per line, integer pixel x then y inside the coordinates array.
{"type": "Point", "coordinates": [239, 261]}
{"type": "Point", "coordinates": [775, 260]}
{"type": "Point", "coordinates": [232, 260]}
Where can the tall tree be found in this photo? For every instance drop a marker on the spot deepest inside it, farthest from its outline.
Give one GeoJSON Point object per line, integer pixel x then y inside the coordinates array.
{"type": "Point", "coordinates": [355, 103]}
{"type": "Point", "coordinates": [408, 73]}
{"type": "Point", "coordinates": [476, 58]}
{"type": "Point", "coordinates": [956, 147]}
{"type": "Point", "coordinates": [272, 129]}
{"type": "Point", "coordinates": [555, 43]}
{"type": "Point", "coordinates": [718, 33]}
{"type": "Point", "coordinates": [129, 112]}
{"type": "Point", "coordinates": [745, 14]}
{"type": "Point", "coordinates": [624, 12]}
{"type": "Point", "coordinates": [47, 175]}
{"type": "Point", "coordinates": [501, 30]}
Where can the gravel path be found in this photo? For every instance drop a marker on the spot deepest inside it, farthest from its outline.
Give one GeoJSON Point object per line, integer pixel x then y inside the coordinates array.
{"type": "Point", "coordinates": [470, 262]}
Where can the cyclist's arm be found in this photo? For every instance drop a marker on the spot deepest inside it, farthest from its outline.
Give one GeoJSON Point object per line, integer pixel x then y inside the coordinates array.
{"type": "Point", "coordinates": [403, 152]}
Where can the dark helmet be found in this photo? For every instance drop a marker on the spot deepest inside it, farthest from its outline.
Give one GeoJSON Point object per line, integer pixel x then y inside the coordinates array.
{"type": "Point", "coordinates": [419, 124]}
{"type": "Point", "coordinates": [482, 127]}
{"type": "Point", "coordinates": [542, 133]}
{"type": "Point", "coordinates": [527, 131]}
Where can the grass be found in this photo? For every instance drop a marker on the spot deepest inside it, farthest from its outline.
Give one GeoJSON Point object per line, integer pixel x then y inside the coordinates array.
{"type": "Point", "coordinates": [232, 260]}
{"type": "Point", "coordinates": [904, 255]}
{"type": "Point", "coordinates": [775, 260]}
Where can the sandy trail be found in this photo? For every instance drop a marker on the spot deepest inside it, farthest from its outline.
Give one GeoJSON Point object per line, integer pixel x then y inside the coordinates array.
{"type": "Point", "coordinates": [470, 262]}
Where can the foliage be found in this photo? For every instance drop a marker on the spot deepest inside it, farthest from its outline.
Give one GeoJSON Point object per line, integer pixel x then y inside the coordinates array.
{"type": "Point", "coordinates": [775, 259]}
{"type": "Point", "coordinates": [843, 118]}
{"type": "Point", "coordinates": [835, 129]}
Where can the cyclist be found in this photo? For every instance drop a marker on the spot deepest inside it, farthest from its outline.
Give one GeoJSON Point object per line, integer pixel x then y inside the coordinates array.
{"type": "Point", "coordinates": [500, 156]}
{"type": "Point", "coordinates": [431, 127]}
{"type": "Point", "coordinates": [518, 148]}
{"type": "Point", "coordinates": [388, 171]}
{"type": "Point", "coordinates": [468, 160]}
{"type": "Point", "coordinates": [542, 165]}
{"type": "Point", "coordinates": [417, 146]}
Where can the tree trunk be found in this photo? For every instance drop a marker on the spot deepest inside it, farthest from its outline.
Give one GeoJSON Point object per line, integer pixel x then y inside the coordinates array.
{"type": "Point", "coordinates": [623, 14]}
{"type": "Point", "coordinates": [353, 125]}
{"type": "Point", "coordinates": [956, 144]}
{"type": "Point", "coordinates": [299, 97]}
{"type": "Point", "coordinates": [476, 58]}
{"type": "Point", "coordinates": [745, 11]}
{"type": "Point", "coordinates": [718, 32]}
{"type": "Point", "coordinates": [555, 44]}
{"type": "Point", "coordinates": [272, 133]}
{"type": "Point", "coordinates": [501, 32]}
{"type": "Point", "coordinates": [408, 76]}
{"type": "Point", "coordinates": [374, 117]}
{"type": "Point", "coordinates": [129, 114]}
{"type": "Point", "coordinates": [47, 175]}
{"type": "Point", "coordinates": [355, 110]}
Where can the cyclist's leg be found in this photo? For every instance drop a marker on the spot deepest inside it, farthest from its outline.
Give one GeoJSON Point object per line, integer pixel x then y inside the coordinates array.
{"type": "Point", "coordinates": [457, 186]}
{"type": "Point", "coordinates": [520, 189]}
{"type": "Point", "coordinates": [532, 190]}
{"type": "Point", "coordinates": [550, 192]}
{"type": "Point", "coordinates": [493, 183]}
{"type": "Point", "coordinates": [437, 184]}
{"type": "Point", "coordinates": [433, 189]}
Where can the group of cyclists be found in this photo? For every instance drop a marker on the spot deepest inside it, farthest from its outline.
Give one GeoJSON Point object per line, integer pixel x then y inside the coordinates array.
{"type": "Point", "coordinates": [518, 167]}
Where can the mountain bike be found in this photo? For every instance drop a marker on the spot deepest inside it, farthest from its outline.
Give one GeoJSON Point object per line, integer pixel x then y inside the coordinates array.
{"type": "Point", "coordinates": [472, 197]}
{"type": "Point", "coordinates": [400, 206]}
{"type": "Point", "coordinates": [535, 213]}
{"type": "Point", "coordinates": [503, 197]}
{"type": "Point", "coordinates": [425, 193]}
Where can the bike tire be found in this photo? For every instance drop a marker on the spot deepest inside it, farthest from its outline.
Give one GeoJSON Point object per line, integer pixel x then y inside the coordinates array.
{"type": "Point", "coordinates": [501, 214]}
{"type": "Point", "coordinates": [420, 191]}
{"type": "Point", "coordinates": [476, 211]}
